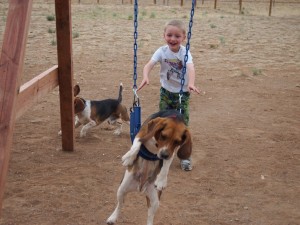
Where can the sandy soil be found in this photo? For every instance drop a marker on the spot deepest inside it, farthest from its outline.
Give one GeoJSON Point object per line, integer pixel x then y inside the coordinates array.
{"type": "Point", "coordinates": [245, 123]}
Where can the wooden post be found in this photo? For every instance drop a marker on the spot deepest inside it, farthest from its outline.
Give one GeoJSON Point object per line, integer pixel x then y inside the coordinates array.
{"type": "Point", "coordinates": [65, 72]}
{"type": "Point", "coordinates": [202, 2]}
{"type": "Point", "coordinates": [181, 3]}
{"type": "Point", "coordinates": [240, 4]}
{"type": "Point", "coordinates": [154, 2]}
{"type": "Point", "coordinates": [270, 9]}
{"type": "Point", "coordinates": [215, 4]}
{"type": "Point", "coordinates": [11, 69]}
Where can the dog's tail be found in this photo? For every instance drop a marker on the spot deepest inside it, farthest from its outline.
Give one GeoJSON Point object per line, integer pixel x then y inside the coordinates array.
{"type": "Point", "coordinates": [120, 93]}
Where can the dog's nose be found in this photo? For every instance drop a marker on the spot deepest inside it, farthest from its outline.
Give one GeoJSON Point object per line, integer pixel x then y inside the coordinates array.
{"type": "Point", "coordinates": [164, 155]}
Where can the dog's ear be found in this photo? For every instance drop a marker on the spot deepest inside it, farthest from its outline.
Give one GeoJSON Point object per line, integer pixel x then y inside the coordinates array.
{"type": "Point", "coordinates": [185, 150]}
{"type": "Point", "coordinates": [78, 105]}
{"type": "Point", "coordinates": [152, 127]}
{"type": "Point", "coordinates": [76, 90]}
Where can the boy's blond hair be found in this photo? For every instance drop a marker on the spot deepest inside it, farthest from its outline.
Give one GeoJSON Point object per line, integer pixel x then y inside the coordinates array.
{"type": "Point", "coordinates": [176, 23]}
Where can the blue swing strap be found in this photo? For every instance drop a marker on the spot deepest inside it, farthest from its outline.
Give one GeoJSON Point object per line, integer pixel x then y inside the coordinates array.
{"type": "Point", "coordinates": [186, 57]}
{"type": "Point", "coordinates": [135, 111]}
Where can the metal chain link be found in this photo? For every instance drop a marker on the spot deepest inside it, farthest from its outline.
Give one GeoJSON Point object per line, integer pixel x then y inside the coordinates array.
{"type": "Point", "coordinates": [135, 47]}
{"type": "Point", "coordinates": [135, 35]}
{"type": "Point", "coordinates": [187, 49]}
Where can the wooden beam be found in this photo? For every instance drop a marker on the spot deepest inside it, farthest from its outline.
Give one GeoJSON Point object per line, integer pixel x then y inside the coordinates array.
{"type": "Point", "coordinates": [34, 90]}
{"type": "Point", "coordinates": [11, 69]}
{"type": "Point", "coordinates": [270, 8]}
{"type": "Point", "coordinates": [65, 72]}
{"type": "Point", "coordinates": [240, 6]}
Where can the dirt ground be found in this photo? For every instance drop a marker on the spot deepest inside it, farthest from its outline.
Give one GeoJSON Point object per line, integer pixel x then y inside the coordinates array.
{"type": "Point", "coordinates": [245, 123]}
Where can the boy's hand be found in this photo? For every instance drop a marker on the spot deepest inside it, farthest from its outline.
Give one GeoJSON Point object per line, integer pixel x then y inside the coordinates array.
{"type": "Point", "coordinates": [193, 88]}
{"type": "Point", "coordinates": [143, 83]}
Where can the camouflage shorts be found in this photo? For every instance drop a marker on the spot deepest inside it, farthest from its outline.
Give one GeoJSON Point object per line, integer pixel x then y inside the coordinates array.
{"type": "Point", "coordinates": [169, 100]}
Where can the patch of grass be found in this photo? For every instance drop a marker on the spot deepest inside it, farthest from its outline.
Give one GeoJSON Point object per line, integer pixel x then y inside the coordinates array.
{"type": "Point", "coordinates": [174, 11]}
{"type": "Point", "coordinates": [213, 46]}
{"type": "Point", "coordinates": [256, 71]}
{"type": "Point", "coordinates": [51, 31]}
{"type": "Point", "coordinates": [242, 74]}
{"type": "Point", "coordinates": [50, 17]}
{"type": "Point", "coordinates": [114, 14]}
{"type": "Point", "coordinates": [75, 35]}
{"type": "Point", "coordinates": [222, 40]}
{"type": "Point", "coordinates": [153, 15]}
{"type": "Point", "coordinates": [130, 17]}
{"type": "Point", "coordinates": [213, 26]}
{"type": "Point", "coordinates": [53, 42]}
{"type": "Point", "coordinates": [144, 13]}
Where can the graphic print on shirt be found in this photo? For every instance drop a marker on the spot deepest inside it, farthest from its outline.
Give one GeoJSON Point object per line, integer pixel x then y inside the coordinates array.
{"type": "Point", "coordinates": [175, 68]}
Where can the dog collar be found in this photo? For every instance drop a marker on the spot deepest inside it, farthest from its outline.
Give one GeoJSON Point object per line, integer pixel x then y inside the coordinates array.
{"type": "Point", "coordinates": [146, 154]}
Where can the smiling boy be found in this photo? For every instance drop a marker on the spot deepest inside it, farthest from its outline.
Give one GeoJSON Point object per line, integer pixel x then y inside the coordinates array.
{"type": "Point", "coordinates": [171, 58]}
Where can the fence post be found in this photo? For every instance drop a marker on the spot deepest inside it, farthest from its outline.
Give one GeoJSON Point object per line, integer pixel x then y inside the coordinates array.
{"type": "Point", "coordinates": [181, 3]}
{"type": "Point", "coordinates": [202, 2]}
{"type": "Point", "coordinates": [215, 4]}
{"type": "Point", "coordinates": [270, 9]}
{"type": "Point", "coordinates": [240, 3]}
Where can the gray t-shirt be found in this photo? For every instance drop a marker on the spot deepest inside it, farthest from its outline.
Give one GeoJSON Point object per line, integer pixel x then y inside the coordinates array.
{"type": "Point", "coordinates": [171, 67]}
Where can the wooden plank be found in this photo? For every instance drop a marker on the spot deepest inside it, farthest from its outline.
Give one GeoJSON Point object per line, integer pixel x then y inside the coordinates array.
{"type": "Point", "coordinates": [11, 69]}
{"type": "Point", "coordinates": [34, 90]}
{"type": "Point", "coordinates": [65, 72]}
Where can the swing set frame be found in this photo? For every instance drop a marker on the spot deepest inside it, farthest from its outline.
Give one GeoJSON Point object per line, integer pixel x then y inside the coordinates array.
{"type": "Point", "coordinates": [16, 99]}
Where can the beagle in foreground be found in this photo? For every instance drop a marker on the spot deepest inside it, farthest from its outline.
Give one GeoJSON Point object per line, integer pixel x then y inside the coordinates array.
{"type": "Point", "coordinates": [90, 113]}
{"type": "Point", "coordinates": [161, 137]}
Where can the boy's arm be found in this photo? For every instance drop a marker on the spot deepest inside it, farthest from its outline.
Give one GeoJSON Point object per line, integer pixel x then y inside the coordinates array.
{"type": "Point", "coordinates": [191, 73]}
{"type": "Point", "coordinates": [146, 71]}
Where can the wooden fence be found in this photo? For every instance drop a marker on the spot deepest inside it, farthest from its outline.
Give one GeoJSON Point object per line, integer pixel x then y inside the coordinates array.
{"type": "Point", "coordinates": [214, 3]}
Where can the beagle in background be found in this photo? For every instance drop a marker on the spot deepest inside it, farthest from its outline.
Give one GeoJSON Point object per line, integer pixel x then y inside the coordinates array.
{"type": "Point", "coordinates": [161, 137]}
{"type": "Point", "coordinates": [90, 113]}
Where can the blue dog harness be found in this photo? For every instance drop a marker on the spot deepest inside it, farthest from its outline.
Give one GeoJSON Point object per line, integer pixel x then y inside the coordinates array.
{"type": "Point", "coordinates": [147, 155]}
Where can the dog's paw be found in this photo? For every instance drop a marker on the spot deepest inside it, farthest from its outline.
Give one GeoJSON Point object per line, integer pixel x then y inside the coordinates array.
{"type": "Point", "coordinates": [59, 133]}
{"type": "Point", "coordinates": [127, 159]}
{"type": "Point", "coordinates": [160, 184]}
{"type": "Point", "coordinates": [82, 133]}
{"type": "Point", "coordinates": [110, 222]}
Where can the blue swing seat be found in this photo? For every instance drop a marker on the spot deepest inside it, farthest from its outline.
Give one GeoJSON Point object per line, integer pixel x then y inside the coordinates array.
{"type": "Point", "coordinates": [135, 121]}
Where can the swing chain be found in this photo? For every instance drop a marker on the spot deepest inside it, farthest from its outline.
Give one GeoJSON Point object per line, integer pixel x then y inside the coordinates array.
{"type": "Point", "coordinates": [187, 48]}
{"type": "Point", "coordinates": [186, 55]}
{"type": "Point", "coordinates": [136, 101]}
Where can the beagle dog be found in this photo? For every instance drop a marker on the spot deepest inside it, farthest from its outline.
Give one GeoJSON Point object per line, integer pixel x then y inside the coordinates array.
{"type": "Point", "coordinates": [90, 113]}
{"type": "Point", "coordinates": [161, 137]}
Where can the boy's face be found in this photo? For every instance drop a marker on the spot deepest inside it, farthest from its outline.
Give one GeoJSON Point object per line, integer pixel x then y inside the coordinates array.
{"type": "Point", "coordinates": [174, 36]}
